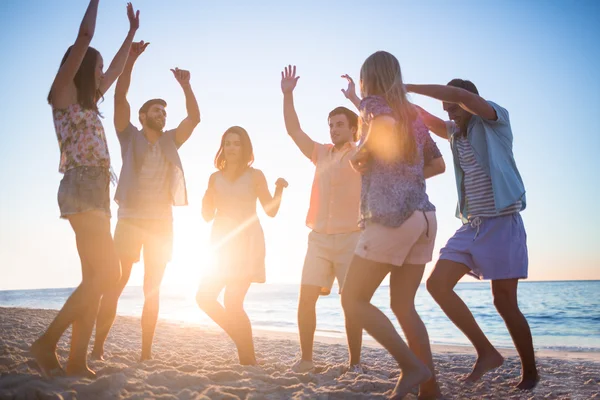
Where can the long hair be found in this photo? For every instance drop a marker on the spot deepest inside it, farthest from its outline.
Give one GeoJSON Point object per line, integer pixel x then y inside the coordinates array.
{"type": "Point", "coordinates": [85, 80]}
{"type": "Point", "coordinates": [380, 75]}
{"type": "Point", "coordinates": [247, 157]}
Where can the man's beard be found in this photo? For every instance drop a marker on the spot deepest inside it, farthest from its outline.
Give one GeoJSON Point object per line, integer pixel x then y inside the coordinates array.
{"type": "Point", "coordinates": [155, 124]}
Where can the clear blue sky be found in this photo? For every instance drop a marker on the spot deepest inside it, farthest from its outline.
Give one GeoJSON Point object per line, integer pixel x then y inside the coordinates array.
{"type": "Point", "coordinates": [537, 59]}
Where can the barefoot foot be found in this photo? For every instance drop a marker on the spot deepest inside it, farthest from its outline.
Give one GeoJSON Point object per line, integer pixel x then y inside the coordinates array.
{"type": "Point", "coordinates": [409, 380]}
{"type": "Point", "coordinates": [484, 363]}
{"type": "Point", "coordinates": [46, 359]}
{"type": "Point", "coordinates": [97, 355]}
{"type": "Point", "coordinates": [528, 381]}
{"type": "Point", "coordinates": [80, 371]}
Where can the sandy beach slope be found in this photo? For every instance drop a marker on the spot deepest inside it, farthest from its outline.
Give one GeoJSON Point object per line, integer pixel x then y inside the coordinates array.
{"type": "Point", "coordinates": [194, 362]}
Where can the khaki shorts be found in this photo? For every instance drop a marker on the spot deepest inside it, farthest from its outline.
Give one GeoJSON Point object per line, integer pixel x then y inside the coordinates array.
{"type": "Point", "coordinates": [154, 235]}
{"type": "Point", "coordinates": [410, 243]}
{"type": "Point", "coordinates": [328, 257]}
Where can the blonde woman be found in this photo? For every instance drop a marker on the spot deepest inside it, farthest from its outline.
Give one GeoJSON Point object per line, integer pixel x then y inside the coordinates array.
{"type": "Point", "coordinates": [399, 226]}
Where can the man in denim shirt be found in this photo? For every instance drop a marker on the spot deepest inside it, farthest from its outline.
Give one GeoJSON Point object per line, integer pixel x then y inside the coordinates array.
{"type": "Point", "coordinates": [492, 243]}
{"type": "Point", "coordinates": [151, 182]}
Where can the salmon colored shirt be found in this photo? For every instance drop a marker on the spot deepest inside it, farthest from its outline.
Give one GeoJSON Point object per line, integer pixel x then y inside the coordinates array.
{"type": "Point", "coordinates": [335, 196]}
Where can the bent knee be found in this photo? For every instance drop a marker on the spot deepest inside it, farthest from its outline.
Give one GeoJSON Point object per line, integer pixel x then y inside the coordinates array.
{"type": "Point", "coordinates": [204, 299]}
{"type": "Point", "coordinates": [403, 310]}
{"type": "Point", "coordinates": [437, 286]}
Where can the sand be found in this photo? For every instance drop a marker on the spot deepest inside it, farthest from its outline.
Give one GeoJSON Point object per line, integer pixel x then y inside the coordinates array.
{"type": "Point", "coordinates": [194, 362]}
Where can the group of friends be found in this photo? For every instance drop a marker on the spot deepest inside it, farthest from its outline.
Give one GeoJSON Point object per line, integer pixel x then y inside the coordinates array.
{"type": "Point", "coordinates": [369, 213]}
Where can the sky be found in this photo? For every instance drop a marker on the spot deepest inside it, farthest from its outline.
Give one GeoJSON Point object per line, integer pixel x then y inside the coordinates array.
{"type": "Point", "coordinates": [537, 59]}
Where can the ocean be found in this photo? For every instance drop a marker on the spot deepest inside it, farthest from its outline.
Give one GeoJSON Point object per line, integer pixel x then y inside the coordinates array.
{"type": "Point", "coordinates": [562, 315]}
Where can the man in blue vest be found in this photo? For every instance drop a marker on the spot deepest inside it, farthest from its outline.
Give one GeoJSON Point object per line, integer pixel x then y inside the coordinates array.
{"type": "Point", "coordinates": [492, 243]}
{"type": "Point", "coordinates": [150, 184]}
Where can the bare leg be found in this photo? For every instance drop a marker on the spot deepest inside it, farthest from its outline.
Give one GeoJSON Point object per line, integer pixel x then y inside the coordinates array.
{"type": "Point", "coordinates": [207, 300]}
{"type": "Point", "coordinates": [307, 319]}
{"type": "Point", "coordinates": [441, 285]}
{"type": "Point", "coordinates": [404, 283]}
{"type": "Point", "coordinates": [364, 277]}
{"type": "Point", "coordinates": [354, 332]}
{"type": "Point", "coordinates": [505, 300]}
{"type": "Point", "coordinates": [99, 260]}
{"type": "Point", "coordinates": [235, 293]}
{"type": "Point", "coordinates": [153, 276]}
{"type": "Point", "coordinates": [108, 310]}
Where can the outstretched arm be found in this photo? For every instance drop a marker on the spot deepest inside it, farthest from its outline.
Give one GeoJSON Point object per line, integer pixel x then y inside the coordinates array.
{"type": "Point", "coordinates": [350, 91]}
{"type": "Point", "coordinates": [292, 124]}
{"type": "Point", "coordinates": [118, 63]}
{"type": "Point", "coordinates": [433, 123]}
{"type": "Point", "coordinates": [186, 127]}
{"type": "Point", "coordinates": [471, 102]}
{"type": "Point", "coordinates": [270, 204]}
{"type": "Point", "coordinates": [69, 69]}
{"type": "Point", "coordinates": [122, 108]}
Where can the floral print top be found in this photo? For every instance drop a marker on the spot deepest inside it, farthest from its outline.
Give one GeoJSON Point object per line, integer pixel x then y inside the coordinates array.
{"type": "Point", "coordinates": [80, 137]}
{"type": "Point", "coordinates": [392, 192]}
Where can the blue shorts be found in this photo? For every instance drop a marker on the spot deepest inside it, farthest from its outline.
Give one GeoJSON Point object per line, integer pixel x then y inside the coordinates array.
{"type": "Point", "coordinates": [493, 248]}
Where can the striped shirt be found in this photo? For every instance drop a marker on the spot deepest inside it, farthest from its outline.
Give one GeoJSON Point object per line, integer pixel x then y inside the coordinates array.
{"type": "Point", "coordinates": [478, 185]}
{"type": "Point", "coordinates": [153, 197]}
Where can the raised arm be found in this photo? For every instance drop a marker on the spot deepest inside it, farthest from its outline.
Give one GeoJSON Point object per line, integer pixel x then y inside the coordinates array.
{"type": "Point", "coordinates": [69, 68]}
{"type": "Point", "coordinates": [186, 127]}
{"type": "Point", "coordinates": [292, 124]}
{"type": "Point", "coordinates": [350, 91]}
{"type": "Point", "coordinates": [270, 204]}
{"type": "Point", "coordinates": [433, 123]}
{"type": "Point", "coordinates": [209, 205]}
{"type": "Point", "coordinates": [471, 102]}
{"type": "Point", "coordinates": [118, 63]}
{"type": "Point", "coordinates": [122, 108]}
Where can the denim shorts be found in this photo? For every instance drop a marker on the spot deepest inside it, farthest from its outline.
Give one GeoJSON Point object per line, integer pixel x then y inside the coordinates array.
{"type": "Point", "coordinates": [84, 189]}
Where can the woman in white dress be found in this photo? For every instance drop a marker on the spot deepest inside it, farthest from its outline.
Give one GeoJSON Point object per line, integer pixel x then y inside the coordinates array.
{"type": "Point", "coordinates": [237, 236]}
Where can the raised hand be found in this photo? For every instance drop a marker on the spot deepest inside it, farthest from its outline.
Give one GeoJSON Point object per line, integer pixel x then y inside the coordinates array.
{"type": "Point", "coordinates": [134, 18]}
{"type": "Point", "coordinates": [289, 79]}
{"type": "Point", "coordinates": [137, 48]}
{"type": "Point", "coordinates": [281, 182]}
{"type": "Point", "coordinates": [182, 76]}
{"type": "Point", "coordinates": [350, 92]}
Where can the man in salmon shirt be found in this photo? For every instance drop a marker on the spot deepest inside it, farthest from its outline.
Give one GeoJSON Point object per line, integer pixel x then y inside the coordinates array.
{"type": "Point", "coordinates": [333, 212]}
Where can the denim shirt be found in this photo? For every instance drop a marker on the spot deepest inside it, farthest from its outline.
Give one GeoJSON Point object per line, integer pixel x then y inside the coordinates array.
{"type": "Point", "coordinates": [133, 149]}
{"type": "Point", "coordinates": [392, 192]}
{"type": "Point", "coordinates": [492, 143]}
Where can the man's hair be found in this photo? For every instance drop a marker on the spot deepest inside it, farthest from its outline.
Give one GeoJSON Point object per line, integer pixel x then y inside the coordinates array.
{"type": "Point", "coordinates": [144, 109]}
{"type": "Point", "coordinates": [464, 84]}
{"type": "Point", "coordinates": [350, 115]}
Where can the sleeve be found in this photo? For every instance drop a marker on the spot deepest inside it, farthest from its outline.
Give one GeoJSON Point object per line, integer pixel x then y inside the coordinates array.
{"type": "Point", "coordinates": [501, 114]}
{"type": "Point", "coordinates": [374, 106]}
{"type": "Point", "coordinates": [319, 150]}
{"type": "Point", "coordinates": [430, 150]}
{"type": "Point", "coordinates": [171, 135]}
{"type": "Point", "coordinates": [125, 135]}
{"type": "Point", "coordinates": [451, 129]}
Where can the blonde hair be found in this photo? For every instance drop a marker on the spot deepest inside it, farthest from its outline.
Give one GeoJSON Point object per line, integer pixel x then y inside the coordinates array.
{"type": "Point", "coordinates": [380, 75]}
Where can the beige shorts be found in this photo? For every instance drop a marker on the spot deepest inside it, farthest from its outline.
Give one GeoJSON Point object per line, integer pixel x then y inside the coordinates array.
{"type": "Point", "coordinates": [410, 243]}
{"type": "Point", "coordinates": [328, 257]}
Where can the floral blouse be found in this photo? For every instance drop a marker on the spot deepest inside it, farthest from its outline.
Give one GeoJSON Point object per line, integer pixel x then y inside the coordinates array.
{"type": "Point", "coordinates": [391, 193]}
{"type": "Point", "coordinates": [80, 137]}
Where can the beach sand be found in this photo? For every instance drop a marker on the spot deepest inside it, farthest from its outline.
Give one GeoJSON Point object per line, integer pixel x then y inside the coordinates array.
{"type": "Point", "coordinates": [195, 362]}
